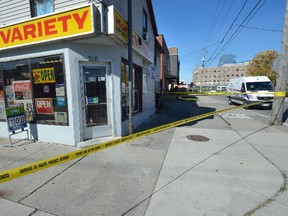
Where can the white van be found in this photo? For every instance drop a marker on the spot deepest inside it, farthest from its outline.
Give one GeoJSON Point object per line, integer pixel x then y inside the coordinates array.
{"type": "Point", "coordinates": [252, 89]}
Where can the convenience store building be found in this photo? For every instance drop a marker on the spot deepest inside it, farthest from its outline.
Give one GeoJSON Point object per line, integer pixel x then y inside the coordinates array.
{"type": "Point", "coordinates": [69, 69]}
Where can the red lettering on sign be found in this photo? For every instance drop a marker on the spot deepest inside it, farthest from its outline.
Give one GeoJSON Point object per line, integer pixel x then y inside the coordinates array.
{"type": "Point", "coordinates": [80, 20]}
{"type": "Point", "coordinates": [64, 21]}
{"type": "Point", "coordinates": [16, 35]}
{"type": "Point", "coordinates": [29, 30]}
{"type": "Point", "coordinates": [49, 26]}
{"type": "Point", "coordinates": [40, 32]}
{"type": "Point", "coordinates": [4, 37]}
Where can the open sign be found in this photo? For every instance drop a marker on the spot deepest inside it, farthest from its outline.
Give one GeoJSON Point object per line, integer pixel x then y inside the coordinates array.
{"type": "Point", "coordinates": [44, 106]}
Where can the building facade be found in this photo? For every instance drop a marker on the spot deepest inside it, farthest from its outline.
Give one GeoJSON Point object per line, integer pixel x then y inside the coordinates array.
{"type": "Point", "coordinates": [66, 62]}
{"type": "Point", "coordinates": [210, 77]}
{"type": "Point", "coordinates": [165, 76]}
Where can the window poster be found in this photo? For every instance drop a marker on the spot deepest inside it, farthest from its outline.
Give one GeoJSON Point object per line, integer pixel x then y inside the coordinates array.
{"type": "Point", "coordinates": [61, 117]}
{"type": "Point", "coordinates": [23, 97]}
{"type": "Point", "coordinates": [44, 106]}
{"type": "Point", "coordinates": [60, 90]}
{"type": "Point", "coordinates": [2, 109]}
{"type": "Point", "coordinates": [22, 89]}
{"type": "Point", "coordinates": [44, 75]}
{"type": "Point", "coordinates": [61, 101]}
{"type": "Point", "coordinates": [9, 94]}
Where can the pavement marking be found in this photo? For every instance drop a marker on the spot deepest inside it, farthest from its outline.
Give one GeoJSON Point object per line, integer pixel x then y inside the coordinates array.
{"type": "Point", "coordinates": [235, 115]}
{"type": "Point", "coordinates": [17, 172]}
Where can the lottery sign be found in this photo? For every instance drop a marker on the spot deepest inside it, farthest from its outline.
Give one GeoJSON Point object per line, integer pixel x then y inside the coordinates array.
{"type": "Point", "coordinates": [16, 118]}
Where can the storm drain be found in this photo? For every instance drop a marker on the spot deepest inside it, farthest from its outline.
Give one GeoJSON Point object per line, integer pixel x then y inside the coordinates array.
{"type": "Point", "coordinates": [198, 138]}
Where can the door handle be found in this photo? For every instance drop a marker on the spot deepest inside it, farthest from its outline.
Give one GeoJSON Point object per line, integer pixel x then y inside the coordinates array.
{"type": "Point", "coordinates": [86, 100]}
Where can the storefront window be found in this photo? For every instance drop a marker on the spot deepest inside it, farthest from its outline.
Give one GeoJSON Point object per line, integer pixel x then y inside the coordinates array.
{"type": "Point", "coordinates": [37, 84]}
{"type": "Point", "coordinates": [17, 86]}
{"type": "Point", "coordinates": [137, 89]}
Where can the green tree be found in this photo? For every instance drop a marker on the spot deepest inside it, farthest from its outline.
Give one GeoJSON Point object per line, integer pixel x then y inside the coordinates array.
{"type": "Point", "coordinates": [261, 65]}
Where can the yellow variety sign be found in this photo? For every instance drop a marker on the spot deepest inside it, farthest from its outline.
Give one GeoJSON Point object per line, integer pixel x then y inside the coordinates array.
{"type": "Point", "coordinates": [58, 25]}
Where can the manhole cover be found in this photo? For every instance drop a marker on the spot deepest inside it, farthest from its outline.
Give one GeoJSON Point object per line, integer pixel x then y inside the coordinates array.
{"type": "Point", "coordinates": [198, 138]}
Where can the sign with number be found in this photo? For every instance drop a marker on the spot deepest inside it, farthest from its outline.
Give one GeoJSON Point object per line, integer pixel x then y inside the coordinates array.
{"type": "Point", "coordinates": [16, 118]}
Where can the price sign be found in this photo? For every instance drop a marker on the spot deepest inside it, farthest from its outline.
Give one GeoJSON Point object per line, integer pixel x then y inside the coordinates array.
{"type": "Point", "coordinates": [15, 118]}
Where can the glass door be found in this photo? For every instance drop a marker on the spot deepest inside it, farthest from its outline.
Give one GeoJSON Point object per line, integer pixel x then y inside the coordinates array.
{"type": "Point", "coordinates": [96, 106]}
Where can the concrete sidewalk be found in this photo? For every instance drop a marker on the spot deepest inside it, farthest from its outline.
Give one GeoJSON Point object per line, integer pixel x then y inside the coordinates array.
{"type": "Point", "coordinates": [229, 164]}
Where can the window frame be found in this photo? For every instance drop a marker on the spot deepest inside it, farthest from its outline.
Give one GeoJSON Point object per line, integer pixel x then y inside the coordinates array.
{"type": "Point", "coordinates": [34, 11]}
{"type": "Point", "coordinates": [145, 21]}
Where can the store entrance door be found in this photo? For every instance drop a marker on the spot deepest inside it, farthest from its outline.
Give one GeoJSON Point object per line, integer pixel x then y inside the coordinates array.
{"type": "Point", "coordinates": [97, 101]}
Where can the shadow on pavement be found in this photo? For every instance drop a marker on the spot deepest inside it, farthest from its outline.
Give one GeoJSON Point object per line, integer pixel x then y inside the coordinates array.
{"type": "Point", "coordinates": [175, 109]}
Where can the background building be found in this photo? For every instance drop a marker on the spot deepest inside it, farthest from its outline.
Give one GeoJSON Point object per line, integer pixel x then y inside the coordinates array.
{"type": "Point", "coordinates": [212, 77]}
{"type": "Point", "coordinates": [165, 75]}
{"type": "Point", "coordinates": [174, 67]}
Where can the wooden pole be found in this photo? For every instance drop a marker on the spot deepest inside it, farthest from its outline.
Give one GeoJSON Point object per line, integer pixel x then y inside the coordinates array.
{"type": "Point", "coordinates": [281, 82]}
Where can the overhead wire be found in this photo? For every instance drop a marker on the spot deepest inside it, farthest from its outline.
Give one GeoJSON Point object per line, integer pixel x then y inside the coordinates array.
{"type": "Point", "coordinates": [258, 28]}
{"type": "Point", "coordinates": [225, 16]}
{"type": "Point", "coordinates": [227, 32]}
{"type": "Point", "coordinates": [211, 25]}
{"type": "Point", "coordinates": [239, 29]}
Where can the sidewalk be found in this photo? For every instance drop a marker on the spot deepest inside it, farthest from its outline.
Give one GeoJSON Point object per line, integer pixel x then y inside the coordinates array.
{"type": "Point", "coordinates": [227, 164]}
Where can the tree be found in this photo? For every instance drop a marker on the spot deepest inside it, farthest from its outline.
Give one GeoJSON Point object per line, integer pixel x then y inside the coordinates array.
{"type": "Point", "coordinates": [261, 65]}
{"type": "Point", "coordinates": [226, 59]}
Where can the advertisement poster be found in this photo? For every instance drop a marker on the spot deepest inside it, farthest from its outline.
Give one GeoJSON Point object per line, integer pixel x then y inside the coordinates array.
{"type": "Point", "coordinates": [60, 90]}
{"type": "Point", "coordinates": [23, 97]}
{"type": "Point", "coordinates": [28, 106]}
{"type": "Point", "coordinates": [61, 101]}
{"type": "Point", "coordinates": [22, 89]}
{"type": "Point", "coordinates": [61, 117]}
{"type": "Point", "coordinates": [44, 75]}
{"type": "Point", "coordinates": [9, 94]}
{"type": "Point", "coordinates": [2, 109]}
{"type": "Point", "coordinates": [44, 106]}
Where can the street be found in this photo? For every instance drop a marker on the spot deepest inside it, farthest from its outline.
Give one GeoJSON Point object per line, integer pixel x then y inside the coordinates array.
{"type": "Point", "coordinates": [220, 102]}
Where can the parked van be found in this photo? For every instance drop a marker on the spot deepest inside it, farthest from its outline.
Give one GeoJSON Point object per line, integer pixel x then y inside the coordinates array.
{"type": "Point", "coordinates": [251, 89]}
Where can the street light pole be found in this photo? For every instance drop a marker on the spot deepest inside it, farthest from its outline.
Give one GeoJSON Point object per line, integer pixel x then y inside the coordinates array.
{"type": "Point", "coordinates": [130, 63]}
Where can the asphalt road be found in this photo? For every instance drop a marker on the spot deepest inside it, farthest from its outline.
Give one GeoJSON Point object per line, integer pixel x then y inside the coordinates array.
{"type": "Point", "coordinates": [220, 102]}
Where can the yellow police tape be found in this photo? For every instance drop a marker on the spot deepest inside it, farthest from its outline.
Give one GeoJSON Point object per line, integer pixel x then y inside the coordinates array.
{"type": "Point", "coordinates": [53, 161]}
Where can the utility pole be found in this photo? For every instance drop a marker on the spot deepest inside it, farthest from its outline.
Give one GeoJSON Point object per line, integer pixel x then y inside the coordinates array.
{"type": "Point", "coordinates": [203, 66]}
{"type": "Point", "coordinates": [281, 82]}
{"type": "Point", "coordinates": [130, 63]}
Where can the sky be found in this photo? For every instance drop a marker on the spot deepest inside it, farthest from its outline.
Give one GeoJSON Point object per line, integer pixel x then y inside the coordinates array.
{"type": "Point", "coordinates": [239, 27]}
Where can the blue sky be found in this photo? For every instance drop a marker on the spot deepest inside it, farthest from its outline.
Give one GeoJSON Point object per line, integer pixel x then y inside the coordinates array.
{"type": "Point", "coordinates": [192, 25]}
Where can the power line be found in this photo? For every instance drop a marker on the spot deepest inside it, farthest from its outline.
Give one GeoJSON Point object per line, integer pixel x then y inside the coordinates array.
{"type": "Point", "coordinates": [238, 30]}
{"type": "Point", "coordinates": [225, 16]}
{"type": "Point", "coordinates": [209, 31]}
{"type": "Point", "coordinates": [228, 29]}
{"type": "Point", "coordinates": [257, 28]}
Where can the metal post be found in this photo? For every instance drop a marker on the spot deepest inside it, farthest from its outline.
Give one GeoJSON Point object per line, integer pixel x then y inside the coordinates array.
{"type": "Point", "coordinates": [130, 63]}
